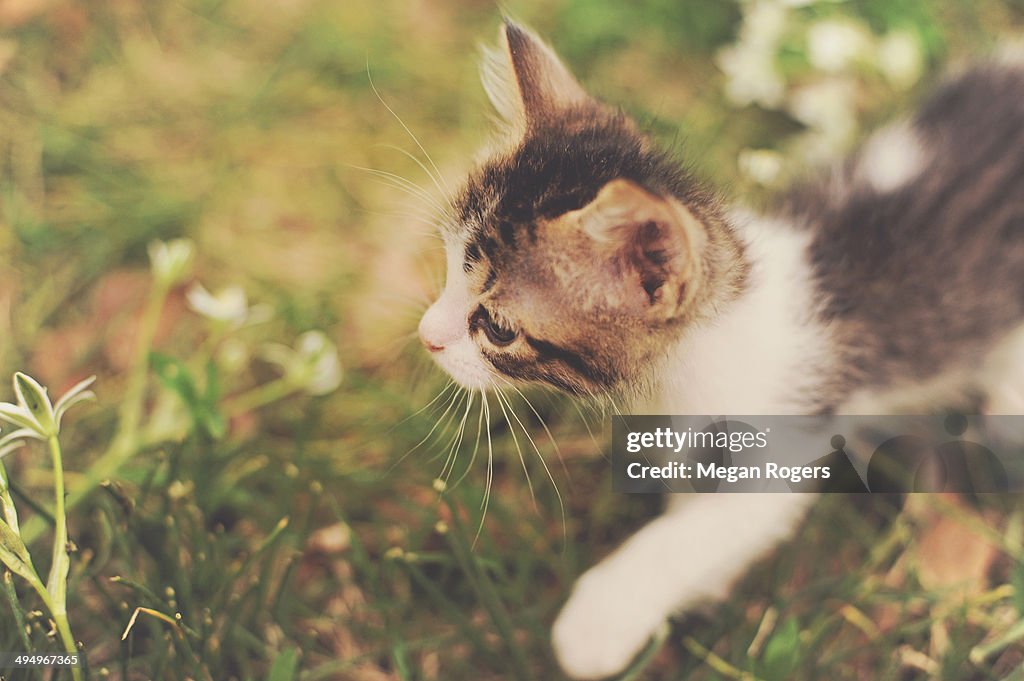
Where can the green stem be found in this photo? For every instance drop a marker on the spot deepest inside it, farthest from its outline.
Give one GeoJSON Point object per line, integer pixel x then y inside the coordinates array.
{"type": "Point", "coordinates": [60, 522]}
{"type": "Point", "coordinates": [259, 396]}
{"type": "Point", "coordinates": [125, 442]}
{"type": "Point", "coordinates": [56, 600]}
{"type": "Point", "coordinates": [135, 390]}
{"type": "Point", "coordinates": [61, 620]}
{"type": "Point", "coordinates": [481, 583]}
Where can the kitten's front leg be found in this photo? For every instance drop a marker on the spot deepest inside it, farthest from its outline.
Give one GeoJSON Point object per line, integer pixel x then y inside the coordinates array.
{"type": "Point", "coordinates": [691, 553]}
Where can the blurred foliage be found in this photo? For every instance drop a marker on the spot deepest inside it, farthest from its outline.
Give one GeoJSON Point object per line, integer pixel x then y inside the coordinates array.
{"type": "Point", "coordinates": [247, 127]}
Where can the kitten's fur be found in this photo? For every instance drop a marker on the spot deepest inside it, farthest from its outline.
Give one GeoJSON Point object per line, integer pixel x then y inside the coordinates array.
{"type": "Point", "coordinates": [583, 258]}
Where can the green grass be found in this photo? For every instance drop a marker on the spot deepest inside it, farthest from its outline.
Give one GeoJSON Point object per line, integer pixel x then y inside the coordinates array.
{"type": "Point", "coordinates": [307, 541]}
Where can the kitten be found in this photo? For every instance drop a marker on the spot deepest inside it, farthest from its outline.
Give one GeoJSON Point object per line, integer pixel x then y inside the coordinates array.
{"type": "Point", "coordinates": [585, 259]}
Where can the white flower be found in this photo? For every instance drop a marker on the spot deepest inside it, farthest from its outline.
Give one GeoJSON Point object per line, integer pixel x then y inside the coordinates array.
{"type": "Point", "coordinates": [833, 44]}
{"type": "Point", "coordinates": [749, 64]}
{"type": "Point", "coordinates": [170, 260]}
{"type": "Point", "coordinates": [322, 358]}
{"type": "Point", "coordinates": [233, 355]}
{"type": "Point", "coordinates": [900, 59]}
{"type": "Point", "coordinates": [313, 364]}
{"type": "Point", "coordinates": [763, 25]}
{"type": "Point", "coordinates": [751, 76]}
{"type": "Point", "coordinates": [34, 415]}
{"type": "Point", "coordinates": [228, 306]}
{"type": "Point", "coordinates": [761, 165]}
{"type": "Point", "coordinates": [827, 106]}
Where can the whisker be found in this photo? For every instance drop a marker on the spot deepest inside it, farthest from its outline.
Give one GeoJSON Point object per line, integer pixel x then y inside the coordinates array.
{"type": "Point", "coordinates": [583, 418]}
{"type": "Point", "coordinates": [547, 470]}
{"type": "Point", "coordinates": [615, 407]}
{"type": "Point", "coordinates": [476, 445]}
{"type": "Point", "coordinates": [415, 304]}
{"type": "Point", "coordinates": [424, 218]}
{"type": "Point", "coordinates": [490, 469]}
{"type": "Point", "coordinates": [410, 187]}
{"type": "Point", "coordinates": [526, 471]}
{"type": "Point", "coordinates": [453, 450]}
{"type": "Point", "coordinates": [404, 184]}
{"type": "Point", "coordinates": [426, 406]}
{"type": "Point", "coordinates": [407, 130]}
{"type": "Point", "coordinates": [450, 419]}
{"type": "Point", "coordinates": [418, 162]}
{"type": "Point", "coordinates": [544, 425]}
{"type": "Point", "coordinates": [450, 403]}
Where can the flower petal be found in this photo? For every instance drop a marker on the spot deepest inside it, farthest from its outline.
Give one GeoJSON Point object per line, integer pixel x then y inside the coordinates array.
{"type": "Point", "coordinates": [33, 398]}
{"type": "Point", "coordinates": [18, 434]}
{"type": "Point", "coordinates": [75, 390]}
{"type": "Point", "coordinates": [12, 413]}
{"type": "Point", "coordinates": [70, 397]}
{"type": "Point", "coordinates": [170, 260]}
{"type": "Point", "coordinates": [8, 448]}
{"type": "Point", "coordinates": [227, 305]}
{"type": "Point", "coordinates": [66, 403]}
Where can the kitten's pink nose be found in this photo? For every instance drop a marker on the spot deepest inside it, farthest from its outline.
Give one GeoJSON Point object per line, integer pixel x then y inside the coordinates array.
{"type": "Point", "coordinates": [441, 326]}
{"type": "Point", "coordinates": [429, 344]}
{"type": "Point", "coordinates": [431, 330]}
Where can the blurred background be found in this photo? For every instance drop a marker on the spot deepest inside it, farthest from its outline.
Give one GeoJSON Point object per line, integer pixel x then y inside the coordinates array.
{"type": "Point", "coordinates": [283, 502]}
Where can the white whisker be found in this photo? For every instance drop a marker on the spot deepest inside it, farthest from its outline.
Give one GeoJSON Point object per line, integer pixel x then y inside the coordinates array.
{"type": "Point", "coordinates": [408, 131]}
{"type": "Point", "coordinates": [526, 471]}
{"type": "Point", "coordinates": [445, 193]}
{"type": "Point", "coordinates": [410, 187]}
{"type": "Point", "coordinates": [449, 419]}
{"type": "Point", "coordinates": [544, 425]}
{"type": "Point", "coordinates": [547, 470]}
{"type": "Point", "coordinates": [450, 403]}
{"type": "Point", "coordinates": [476, 445]}
{"type": "Point", "coordinates": [453, 451]}
{"type": "Point", "coordinates": [490, 469]}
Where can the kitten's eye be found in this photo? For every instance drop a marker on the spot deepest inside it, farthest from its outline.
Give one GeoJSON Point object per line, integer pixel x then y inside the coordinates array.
{"type": "Point", "coordinates": [496, 333]}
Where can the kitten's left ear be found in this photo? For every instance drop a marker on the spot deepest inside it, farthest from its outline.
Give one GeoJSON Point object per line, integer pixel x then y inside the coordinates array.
{"type": "Point", "coordinates": [525, 80]}
{"type": "Point", "coordinates": [655, 243]}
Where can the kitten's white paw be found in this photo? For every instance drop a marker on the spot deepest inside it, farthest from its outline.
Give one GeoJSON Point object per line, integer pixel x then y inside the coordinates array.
{"type": "Point", "coordinates": [603, 625]}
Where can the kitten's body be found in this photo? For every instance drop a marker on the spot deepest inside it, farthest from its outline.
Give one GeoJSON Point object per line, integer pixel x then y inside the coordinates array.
{"type": "Point", "coordinates": [897, 284]}
{"type": "Point", "coordinates": [586, 260]}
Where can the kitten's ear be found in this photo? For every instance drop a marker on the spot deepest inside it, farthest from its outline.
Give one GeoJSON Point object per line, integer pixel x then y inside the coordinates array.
{"type": "Point", "coordinates": [525, 80]}
{"type": "Point", "coordinates": [654, 242]}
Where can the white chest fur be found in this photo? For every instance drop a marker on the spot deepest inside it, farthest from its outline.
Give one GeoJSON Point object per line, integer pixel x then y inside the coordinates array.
{"type": "Point", "coordinates": [765, 353]}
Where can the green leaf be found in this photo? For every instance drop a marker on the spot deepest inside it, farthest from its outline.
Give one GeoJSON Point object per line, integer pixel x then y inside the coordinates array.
{"type": "Point", "coordinates": [174, 375]}
{"type": "Point", "coordinates": [286, 666]}
{"type": "Point", "coordinates": [19, 612]}
{"type": "Point", "coordinates": [14, 554]}
{"type": "Point", "coordinates": [8, 512]}
{"type": "Point", "coordinates": [210, 417]}
{"type": "Point", "coordinates": [1017, 579]}
{"type": "Point", "coordinates": [782, 653]}
{"type": "Point", "coordinates": [57, 582]}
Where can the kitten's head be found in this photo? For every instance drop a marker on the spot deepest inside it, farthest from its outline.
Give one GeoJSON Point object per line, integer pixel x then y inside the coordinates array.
{"type": "Point", "coordinates": [579, 252]}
